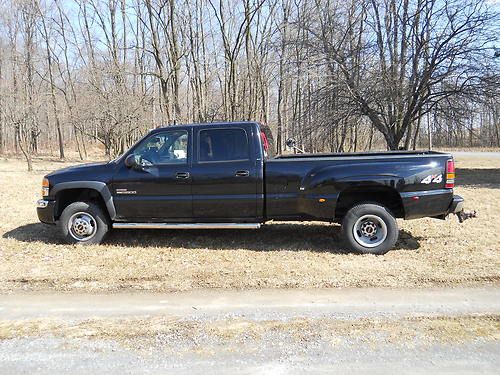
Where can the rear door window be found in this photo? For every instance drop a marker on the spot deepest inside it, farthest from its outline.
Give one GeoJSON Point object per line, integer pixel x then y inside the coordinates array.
{"type": "Point", "coordinates": [223, 145]}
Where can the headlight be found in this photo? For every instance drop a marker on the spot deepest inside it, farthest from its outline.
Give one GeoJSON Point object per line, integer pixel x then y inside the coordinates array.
{"type": "Point", "coordinates": [45, 187]}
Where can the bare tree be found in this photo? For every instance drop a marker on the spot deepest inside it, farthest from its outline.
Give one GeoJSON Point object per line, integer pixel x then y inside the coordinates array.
{"type": "Point", "coordinates": [93, 75]}
{"type": "Point", "coordinates": [416, 48]}
{"type": "Point", "coordinates": [46, 37]}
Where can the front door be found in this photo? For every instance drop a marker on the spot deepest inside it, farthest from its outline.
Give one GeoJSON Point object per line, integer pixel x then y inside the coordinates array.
{"type": "Point", "coordinates": [159, 188]}
{"type": "Point", "coordinates": [225, 175]}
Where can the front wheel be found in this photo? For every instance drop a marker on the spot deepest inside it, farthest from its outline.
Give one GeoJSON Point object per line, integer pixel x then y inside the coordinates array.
{"type": "Point", "coordinates": [370, 229]}
{"type": "Point", "coordinates": [83, 223]}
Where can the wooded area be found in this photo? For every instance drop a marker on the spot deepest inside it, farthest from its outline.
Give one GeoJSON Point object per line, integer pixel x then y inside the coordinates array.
{"type": "Point", "coordinates": [335, 75]}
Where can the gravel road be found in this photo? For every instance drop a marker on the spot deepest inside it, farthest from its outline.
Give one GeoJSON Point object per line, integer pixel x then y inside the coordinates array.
{"type": "Point", "coordinates": [209, 304]}
{"type": "Point", "coordinates": [477, 154]}
{"type": "Point", "coordinates": [440, 330]}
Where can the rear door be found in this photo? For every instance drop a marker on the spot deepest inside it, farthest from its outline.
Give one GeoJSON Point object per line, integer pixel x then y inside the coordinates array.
{"type": "Point", "coordinates": [224, 174]}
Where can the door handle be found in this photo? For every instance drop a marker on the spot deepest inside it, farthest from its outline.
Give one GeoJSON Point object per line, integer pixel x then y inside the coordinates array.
{"type": "Point", "coordinates": [182, 175]}
{"type": "Point", "coordinates": [242, 173]}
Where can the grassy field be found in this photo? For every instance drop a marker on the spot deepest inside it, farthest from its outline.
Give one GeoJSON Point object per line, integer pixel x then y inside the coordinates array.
{"type": "Point", "coordinates": [280, 255]}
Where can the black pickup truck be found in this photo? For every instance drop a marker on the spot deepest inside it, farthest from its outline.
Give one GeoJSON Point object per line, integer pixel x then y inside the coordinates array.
{"type": "Point", "coordinates": [221, 175]}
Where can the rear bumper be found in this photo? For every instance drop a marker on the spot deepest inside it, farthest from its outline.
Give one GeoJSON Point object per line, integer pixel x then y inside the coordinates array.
{"type": "Point", "coordinates": [431, 203]}
{"type": "Point", "coordinates": [45, 210]}
{"type": "Point", "coordinates": [457, 204]}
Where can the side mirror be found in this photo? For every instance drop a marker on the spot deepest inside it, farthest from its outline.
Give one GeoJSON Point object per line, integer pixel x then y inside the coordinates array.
{"type": "Point", "coordinates": [290, 142]}
{"type": "Point", "coordinates": [130, 161]}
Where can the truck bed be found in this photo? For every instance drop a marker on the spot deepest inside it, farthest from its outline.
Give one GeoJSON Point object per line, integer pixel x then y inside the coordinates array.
{"type": "Point", "coordinates": [369, 154]}
{"type": "Point", "coordinates": [295, 183]}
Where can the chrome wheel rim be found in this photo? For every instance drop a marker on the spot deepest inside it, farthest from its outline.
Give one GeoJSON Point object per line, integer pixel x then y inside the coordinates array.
{"type": "Point", "coordinates": [370, 231]}
{"type": "Point", "coordinates": [82, 226]}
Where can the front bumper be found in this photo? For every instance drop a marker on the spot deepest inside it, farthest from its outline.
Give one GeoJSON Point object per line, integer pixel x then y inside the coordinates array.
{"type": "Point", "coordinates": [45, 210]}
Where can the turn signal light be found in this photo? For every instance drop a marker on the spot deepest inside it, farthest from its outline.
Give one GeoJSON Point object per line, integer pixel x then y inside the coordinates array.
{"type": "Point", "coordinates": [450, 174]}
{"type": "Point", "coordinates": [45, 187]}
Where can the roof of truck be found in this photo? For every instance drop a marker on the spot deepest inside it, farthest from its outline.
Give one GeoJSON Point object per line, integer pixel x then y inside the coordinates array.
{"type": "Point", "coordinates": [218, 123]}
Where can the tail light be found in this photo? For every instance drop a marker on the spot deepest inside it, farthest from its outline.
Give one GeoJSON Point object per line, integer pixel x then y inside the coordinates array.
{"type": "Point", "coordinates": [265, 143]}
{"type": "Point", "coordinates": [450, 174]}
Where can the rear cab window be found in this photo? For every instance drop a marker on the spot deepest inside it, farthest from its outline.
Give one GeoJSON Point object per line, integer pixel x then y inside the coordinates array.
{"type": "Point", "coordinates": [218, 145]}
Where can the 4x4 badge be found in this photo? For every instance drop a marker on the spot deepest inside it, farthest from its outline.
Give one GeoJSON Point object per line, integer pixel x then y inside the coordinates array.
{"type": "Point", "coordinates": [435, 178]}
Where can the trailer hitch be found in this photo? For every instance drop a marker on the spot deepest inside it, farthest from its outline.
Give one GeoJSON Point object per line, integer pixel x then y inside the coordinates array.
{"type": "Point", "coordinates": [462, 215]}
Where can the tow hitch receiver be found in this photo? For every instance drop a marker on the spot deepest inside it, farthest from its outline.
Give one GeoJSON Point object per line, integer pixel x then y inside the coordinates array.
{"type": "Point", "coordinates": [462, 215]}
{"type": "Point", "coordinates": [457, 208]}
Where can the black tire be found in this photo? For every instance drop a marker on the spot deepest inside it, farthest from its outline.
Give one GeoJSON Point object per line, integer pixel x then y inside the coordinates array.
{"type": "Point", "coordinates": [92, 219]}
{"type": "Point", "coordinates": [369, 228]}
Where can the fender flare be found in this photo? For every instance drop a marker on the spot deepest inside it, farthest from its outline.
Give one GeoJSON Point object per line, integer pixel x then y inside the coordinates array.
{"type": "Point", "coordinates": [348, 174]}
{"type": "Point", "coordinates": [98, 186]}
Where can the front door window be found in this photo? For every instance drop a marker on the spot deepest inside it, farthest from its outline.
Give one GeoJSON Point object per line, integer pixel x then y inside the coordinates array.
{"type": "Point", "coordinates": [168, 147]}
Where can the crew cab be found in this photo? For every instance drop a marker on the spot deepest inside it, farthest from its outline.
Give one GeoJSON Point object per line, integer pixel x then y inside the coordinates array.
{"type": "Point", "coordinates": [222, 175]}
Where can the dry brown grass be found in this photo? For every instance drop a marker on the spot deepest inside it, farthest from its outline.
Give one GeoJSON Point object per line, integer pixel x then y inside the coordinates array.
{"type": "Point", "coordinates": [430, 252]}
{"type": "Point", "coordinates": [144, 332]}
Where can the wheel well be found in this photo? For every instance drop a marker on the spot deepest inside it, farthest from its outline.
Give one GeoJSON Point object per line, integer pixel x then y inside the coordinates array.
{"type": "Point", "coordinates": [65, 197]}
{"type": "Point", "coordinates": [385, 196]}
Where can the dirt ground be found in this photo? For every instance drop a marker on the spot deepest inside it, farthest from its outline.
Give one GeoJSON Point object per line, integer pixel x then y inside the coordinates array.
{"type": "Point", "coordinates": [272, 331]}
{"type": "Point", "coordinates": [230, 332]}
{"type": "Point", "coordinates": [79, 310]}
{"type": "Point", "coordinates": [280, 255]}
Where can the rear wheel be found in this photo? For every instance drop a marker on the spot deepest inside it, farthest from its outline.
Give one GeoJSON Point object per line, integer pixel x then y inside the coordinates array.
{"type": "Point", "coordinates": [84, 223]}
{"type": "Point", "coordinates": [369, 228]}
